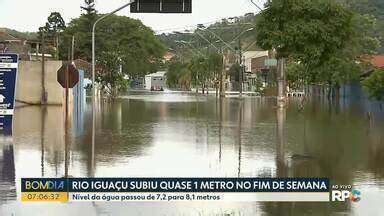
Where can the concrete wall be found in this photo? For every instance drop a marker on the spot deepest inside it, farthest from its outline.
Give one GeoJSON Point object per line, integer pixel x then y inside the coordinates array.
{"type": "Point", "coordinates": [29, 83]}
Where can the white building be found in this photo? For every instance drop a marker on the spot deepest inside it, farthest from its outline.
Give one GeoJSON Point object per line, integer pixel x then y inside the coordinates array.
{"type": "Point", "coordinates": [249, 55]}
{"type": "Point", "coordinates": [156, 81]}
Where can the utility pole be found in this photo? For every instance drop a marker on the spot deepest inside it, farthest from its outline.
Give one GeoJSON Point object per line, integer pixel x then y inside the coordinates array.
{"type": "Point", "coordinates": [281, 83]}
{"type": "Point", "coordinates": [43, 89]}
{"type": "Point", "coordinates": [281, 97]}
{"type": "Point", "coordinates": [222, 75]}
{"type": "Point", "coordinates": [241, 69]}
{"type": "Point", "coordinates": [73, 48]}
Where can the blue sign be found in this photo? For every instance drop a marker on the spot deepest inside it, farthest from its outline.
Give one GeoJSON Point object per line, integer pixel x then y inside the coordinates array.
{"type": "Point", "coordinates": [8, 72]}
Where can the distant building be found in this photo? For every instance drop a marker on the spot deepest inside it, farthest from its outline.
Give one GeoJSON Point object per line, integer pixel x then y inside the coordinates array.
{"type": "Point", "coordinates": [156, 81]}
{"type": "Point", "coordinates": [254, 62]}
{"type": "Point", "coordinates": [35, 52]}
{"type": "Point", "coordinates": [11, 44]}
{"type": "Point", "coordinates": [26, 48]}
{"type": "Point", "coordinates": [168, 56]}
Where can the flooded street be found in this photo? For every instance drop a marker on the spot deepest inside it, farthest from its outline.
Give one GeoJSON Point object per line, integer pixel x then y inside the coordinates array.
{"type": "Point", "coordinates": [183, 135]}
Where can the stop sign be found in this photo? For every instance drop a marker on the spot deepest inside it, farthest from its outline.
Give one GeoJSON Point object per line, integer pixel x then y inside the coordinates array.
{"type": "Point", "coordinates": [68, 75]}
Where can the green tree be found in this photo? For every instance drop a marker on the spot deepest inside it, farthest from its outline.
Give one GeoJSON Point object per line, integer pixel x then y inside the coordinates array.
{"type": "Point", "coordinates": [89, 7]}
{"type": "Point", "coordinates": [52, 29]}
{"type": "Point", "coordinates": [81, 29]}
{"type": "Point", "coordinates": [140, 48]}
{"type": "Point", "coordinates": [374, 8]}
{"type": "Point", "coordinates": [110, 75]}
{"type": "Point", "coordinates": [173, 74]}
{"type": "Point", "coordinates": [199, 72]}
{"type": "Point", "coordinates": [296, 77]}
{"type": "Point", "coordinates": [215, 67]}
{"type": "Point", "coordinates": [309, 31]}
{"type": "Point", "coordinates": [324, 39]}
{"type": "Point", "coordinates": [120, 41]}
{"type": "Point", "coordinates": [178, 76]}
{"type": "Point", "coordinates": [374, 84]}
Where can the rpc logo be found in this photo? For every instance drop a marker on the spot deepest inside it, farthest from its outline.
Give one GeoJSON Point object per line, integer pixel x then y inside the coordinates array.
{"type": "Point", "coordinates": [341, 196]}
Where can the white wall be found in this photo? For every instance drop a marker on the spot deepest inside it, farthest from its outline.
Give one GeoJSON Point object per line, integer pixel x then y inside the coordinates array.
{"type": "Point", "coordinates": [249, 55]}
{"type": "Point", "coordinates": [29, 83]}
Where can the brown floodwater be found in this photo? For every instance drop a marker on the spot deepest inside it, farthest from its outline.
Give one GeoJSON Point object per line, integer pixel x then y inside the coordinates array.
{"type": "Point", "coordinates": [183, 135]}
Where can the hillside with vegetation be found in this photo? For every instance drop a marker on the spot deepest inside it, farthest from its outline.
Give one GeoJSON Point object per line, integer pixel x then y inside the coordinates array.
{"type": "Point", "coordinates": [234, 31]}
{"type": "Point", "coordinates": [230, 27]}
{"type": "Point", "coordinates": [374, 8]}
{"type": "Point", "coordinates": [323, 42]}
{"type": "Point", "coordinates": [20, 35]}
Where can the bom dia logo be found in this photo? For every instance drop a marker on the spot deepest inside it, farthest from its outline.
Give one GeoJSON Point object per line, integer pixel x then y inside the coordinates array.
{"type": "Point", "coordinates": [43, 185]}
{"type": "Point", "coordinates": [343, 195]}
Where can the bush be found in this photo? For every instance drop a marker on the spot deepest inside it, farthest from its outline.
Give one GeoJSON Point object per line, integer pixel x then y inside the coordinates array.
{"type": "Point", "coordinates": [374, 85]}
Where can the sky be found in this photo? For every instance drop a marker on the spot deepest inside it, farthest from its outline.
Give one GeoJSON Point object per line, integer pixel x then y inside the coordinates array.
{"type": "Point", "coordinates": [29, 15]}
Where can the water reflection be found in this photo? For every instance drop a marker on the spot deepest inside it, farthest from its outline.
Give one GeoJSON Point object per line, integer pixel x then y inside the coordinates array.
{"type": "Point", "coordinates": [7, 170]}
{"type": "Point", "coordinates": [280, 154]}
{"type": "Point", "coordinates": [39, 141]}
{"type": "Point", "coordinates": [239, 133]}
{"type": "Point", "coordinates": [192, 136]}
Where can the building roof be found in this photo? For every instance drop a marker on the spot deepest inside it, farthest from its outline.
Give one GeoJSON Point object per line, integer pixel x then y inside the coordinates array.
{"type": "Point", "coordinates": [4, 36]}
{"type": "Point", "coordinates": [83, 65]}
{"type": "Point", "coordinates": [378, 61]}
{"type": "Point", "coordinates": [254, 54]}
{"type": "Point", "coordinates": [157, 74]}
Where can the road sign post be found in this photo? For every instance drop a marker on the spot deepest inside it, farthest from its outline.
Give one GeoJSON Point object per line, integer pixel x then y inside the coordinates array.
{"type": "Point", "coordinates": [8, 75]}
{"type": "Point", "coordinates": [68, 75]}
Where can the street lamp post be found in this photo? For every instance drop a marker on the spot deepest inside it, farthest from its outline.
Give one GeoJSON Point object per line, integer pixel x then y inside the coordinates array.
{"type": "Point", "coordinates": [93, 75]}
{"type": "Point", "coordinates": [258, 7]}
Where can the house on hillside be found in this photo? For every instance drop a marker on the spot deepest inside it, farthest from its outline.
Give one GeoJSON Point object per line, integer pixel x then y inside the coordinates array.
{"type": "Point", "coordinates": [168, 56]}
{"type": "Point", "coordinates": [28, 49]}
{"type": "Point", "coordinates": [11, 44]}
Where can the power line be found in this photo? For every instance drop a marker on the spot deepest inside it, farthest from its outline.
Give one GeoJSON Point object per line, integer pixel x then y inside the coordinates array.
{"type": "Point", "coordinates": [188, 27]}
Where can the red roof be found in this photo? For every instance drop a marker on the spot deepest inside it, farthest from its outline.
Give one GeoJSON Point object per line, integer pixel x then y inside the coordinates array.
{"type": "Point", "coordinates": [378, 61]}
